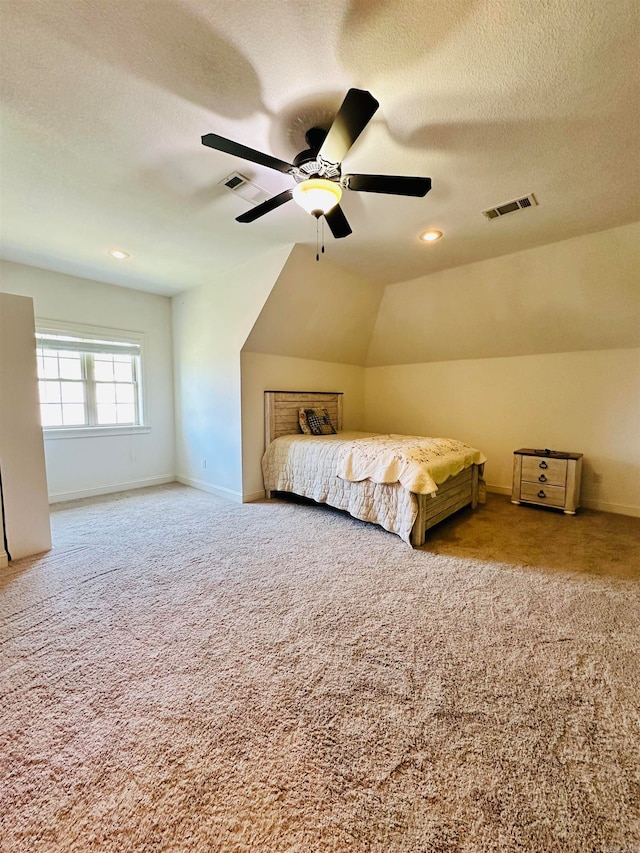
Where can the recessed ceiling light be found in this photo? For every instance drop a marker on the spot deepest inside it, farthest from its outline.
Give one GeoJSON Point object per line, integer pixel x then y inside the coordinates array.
{"type": "Point", "coordinates": [430, 235]}
{"type": "Point", "coordinates": [118, 254]}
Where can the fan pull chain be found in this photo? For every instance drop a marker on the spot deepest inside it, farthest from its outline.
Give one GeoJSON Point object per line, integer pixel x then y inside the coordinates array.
{"type": "Point", "coordinates": [319, 245]}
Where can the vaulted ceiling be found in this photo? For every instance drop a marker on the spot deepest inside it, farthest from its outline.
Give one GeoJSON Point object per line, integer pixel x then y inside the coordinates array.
{"type": "Point", "coordinates": [104, 103]}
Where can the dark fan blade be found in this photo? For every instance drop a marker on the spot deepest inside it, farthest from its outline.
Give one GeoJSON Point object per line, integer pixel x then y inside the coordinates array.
{"type": "Point", "coordinates": [351, 119]}
{"type": "Point", "coordinates": [337, 222]}
{"type": "Point", "coordinates": [393, 184]}
{"type": "Point", "coordinates": [265, 207]}
{"type": "Point", "coordinates": [231, 147]}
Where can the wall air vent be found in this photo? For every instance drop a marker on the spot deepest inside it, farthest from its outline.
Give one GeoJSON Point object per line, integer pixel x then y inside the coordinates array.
{"type": "Point", "coordinates": [243, 187]}
{"type": "Point", "coordinates": [510, 207]}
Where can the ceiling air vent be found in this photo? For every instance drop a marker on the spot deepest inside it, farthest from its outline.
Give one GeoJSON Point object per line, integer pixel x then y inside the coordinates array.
{"type": "Point", "coordinates": [510, 207]}
{"type": "Point", "coordinates": [243, 187]}
{"type": "Point", "coordinates": [234, 181]}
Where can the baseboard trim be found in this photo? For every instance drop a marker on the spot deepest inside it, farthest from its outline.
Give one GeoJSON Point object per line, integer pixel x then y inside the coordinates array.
{"type": "Point", "coordinates": [498, 490]}
{"type": "Point", "coordinates": [249, 497]}
{"type": "Point", "coordinates": [618, 509]}
{"type": "Point", "coordinates": [59, 497]}
{"type": "Point", "coordinates": [220, 491]}
{"type": "Point", "coordinates": [587, 503]}
{"type": "Point", "coordinates": [4, 559]}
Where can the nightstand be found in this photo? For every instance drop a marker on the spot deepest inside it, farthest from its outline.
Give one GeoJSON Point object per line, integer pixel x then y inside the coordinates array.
{"type": "Point", "coordinates": [547, 478]}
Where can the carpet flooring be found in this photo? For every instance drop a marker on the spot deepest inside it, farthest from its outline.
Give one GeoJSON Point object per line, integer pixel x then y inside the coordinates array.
{"type": "Point", "coordinates": [181, 673]}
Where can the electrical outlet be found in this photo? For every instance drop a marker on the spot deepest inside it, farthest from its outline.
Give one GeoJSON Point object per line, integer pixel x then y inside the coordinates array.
{"type": "Point", "coordinates": [204, 463]}
{"type": "Point", "coordinates": [597, 478]}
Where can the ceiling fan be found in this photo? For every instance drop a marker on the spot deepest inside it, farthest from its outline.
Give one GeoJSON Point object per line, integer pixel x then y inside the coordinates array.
{"type": "Point", "coordinates": [317, 170]}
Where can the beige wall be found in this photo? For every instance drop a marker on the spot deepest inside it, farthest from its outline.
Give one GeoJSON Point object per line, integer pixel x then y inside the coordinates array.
{"type": "Point", "coordinates": [24, 481]}
{"type": "Point", "coordinates": [538, 348]}
{"type": "Point", "coordinates": [534, 349]}
{"type": "Point", "coordinates": [210, 325]}
{"type": "Point", "coordinates": [317, 311]}
{"type": "Point", "coordinates": [262, 373]}
{"type": "Point", "coordinates": [95, 464]}
{"type": "Point", "coordinates": [302, 324]}
{"type": "Point", "coordinates": [585, 402]}
{"type": "Point", "coordinates": [578, 294]}
{"type": "Point", "coordinates": [311, 335]}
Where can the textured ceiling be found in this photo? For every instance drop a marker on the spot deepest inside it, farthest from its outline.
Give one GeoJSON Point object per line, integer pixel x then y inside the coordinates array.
{"type": "Point", "coordinates": [105, 101]}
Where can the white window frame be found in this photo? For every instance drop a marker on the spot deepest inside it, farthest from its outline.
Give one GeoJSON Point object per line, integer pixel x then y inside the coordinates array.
{"type": "Point", "coordinates": [99, 333]}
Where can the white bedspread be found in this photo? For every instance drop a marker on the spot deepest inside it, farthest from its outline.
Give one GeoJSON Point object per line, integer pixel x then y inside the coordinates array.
{"type": "Point", "coordinates": [420, 464]}
{"type": "Point", "coordinates": [306, 465]}
{"type": "Point", "coordinates": [372, 477]}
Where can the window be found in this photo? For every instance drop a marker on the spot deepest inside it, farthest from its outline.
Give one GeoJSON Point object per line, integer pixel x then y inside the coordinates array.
{"type": "Point", "coordinates": [89, 380]}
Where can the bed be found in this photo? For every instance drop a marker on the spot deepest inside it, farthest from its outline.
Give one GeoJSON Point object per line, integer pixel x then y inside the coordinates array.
{"type": "Point", "coordinates": [307, 465]}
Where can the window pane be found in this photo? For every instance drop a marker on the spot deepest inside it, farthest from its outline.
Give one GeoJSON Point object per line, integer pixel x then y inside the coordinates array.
{"type": "Point", "coordinates": [51, 367]}
{"type": "Point", "coordinates": [124, 393]}
{"type": "Point", "coordinates": [103, 369]}
{"type": "Point", "coordinates": [126, 413]}
{"type": "Point", "coordinates": [51, 392]}
{"type": "Point", "coordinates": [72, 414]}
{"type": "Point", "coordinates": [82, 386]}
{"type": "Point", "coordinates": [107, 413]}
{"type": "Point", "coordinates": [123, 370]}
{"type": "Point", "coordinates": [70, 368]}
{"type": "Point", "coordinates": [72, 392]}
{"type": "Point", "coordinates": [105, 393]}
{"type": "Point", "coordinates": [51, 415]}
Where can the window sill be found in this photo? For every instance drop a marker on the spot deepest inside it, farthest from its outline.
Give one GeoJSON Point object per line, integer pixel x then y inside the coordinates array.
{"type": "Point", "coordinates": [94, 432]}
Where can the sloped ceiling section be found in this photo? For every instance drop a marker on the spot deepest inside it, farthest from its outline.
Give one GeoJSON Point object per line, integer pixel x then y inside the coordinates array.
{"type": "Point", "coordinates": [317, 310]}
{"type": "Point", "coordinates": [578, 294]}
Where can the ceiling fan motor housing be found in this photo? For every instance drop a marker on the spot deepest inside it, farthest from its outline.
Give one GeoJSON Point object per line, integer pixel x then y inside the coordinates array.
{"type": "Point", "coordinates": [308, 161]}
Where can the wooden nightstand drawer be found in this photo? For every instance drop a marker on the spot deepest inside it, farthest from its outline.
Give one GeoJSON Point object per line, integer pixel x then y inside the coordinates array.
{"type": "Point", "coordinates": [547, 478]}
{"type": "Point", "coordinates": [545, 495]}
{"type": "Point", "coordinates": [552, 471]}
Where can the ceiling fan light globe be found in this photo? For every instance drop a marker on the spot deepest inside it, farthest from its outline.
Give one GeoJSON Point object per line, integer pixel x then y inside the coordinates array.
{"type": "Point", "coordinates": [317, 195]}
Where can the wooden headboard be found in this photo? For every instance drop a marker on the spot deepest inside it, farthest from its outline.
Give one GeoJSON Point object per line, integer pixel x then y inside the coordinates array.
{"type": "Point", "coordinates": [281, 410]}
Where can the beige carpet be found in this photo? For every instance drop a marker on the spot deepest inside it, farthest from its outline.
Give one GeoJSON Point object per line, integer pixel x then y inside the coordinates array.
{"type": "Point", "coordinates": [185, 674]}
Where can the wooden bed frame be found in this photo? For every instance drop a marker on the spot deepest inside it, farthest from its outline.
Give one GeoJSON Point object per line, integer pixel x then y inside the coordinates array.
{"type": "Point", "coordinates": [281, 418]}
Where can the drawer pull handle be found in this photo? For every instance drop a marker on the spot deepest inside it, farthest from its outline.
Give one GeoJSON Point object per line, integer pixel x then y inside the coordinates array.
{"type": "Point", "coordinates": [543, 464]}
{"type": "Point", "coordinates": [541, 494]}
{"type": "Point", "coordinates": [542, 478]}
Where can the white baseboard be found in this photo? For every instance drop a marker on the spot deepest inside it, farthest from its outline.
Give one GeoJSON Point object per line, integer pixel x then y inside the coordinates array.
{"type": "Point", "coordinates": [58, 497]}
{"type": "Point", "coordinates": [601, 506]}
{"type": "Point", "coordinates": [498, 490]}
{"type": "Point", "coordinates": [249, 497]}
{"type": "Point", "coordinates": [221, 491]}
{"type": "Point", "coordinates": [4, 559]}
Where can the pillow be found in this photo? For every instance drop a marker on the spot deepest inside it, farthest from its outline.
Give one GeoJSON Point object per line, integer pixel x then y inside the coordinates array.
{"type": "Point", "coordinates": [315, 422]}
